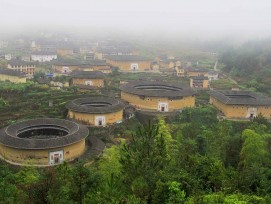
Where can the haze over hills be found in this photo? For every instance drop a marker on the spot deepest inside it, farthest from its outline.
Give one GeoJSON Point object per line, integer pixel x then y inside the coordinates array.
{"type": "Point", "coordinates": [151, 19]}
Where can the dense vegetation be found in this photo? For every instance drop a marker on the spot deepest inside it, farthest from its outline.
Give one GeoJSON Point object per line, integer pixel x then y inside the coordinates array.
{"type": "Point", "coordinates": [193, 159]}
{"type": "Point", "coordinates": [250, 64]}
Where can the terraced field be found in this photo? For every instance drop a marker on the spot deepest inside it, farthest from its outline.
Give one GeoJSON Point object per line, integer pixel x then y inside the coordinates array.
{"type": "Point", "coordinates": [33, 101]}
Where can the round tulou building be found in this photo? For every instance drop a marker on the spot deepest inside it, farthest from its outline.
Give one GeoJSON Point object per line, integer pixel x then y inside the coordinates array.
{"type": "Point", "coordinates": [156, 96]}
{"type": "Point", "coordinates": [96, 111]}
{"type": "Point", "coordinates": [42, 142]}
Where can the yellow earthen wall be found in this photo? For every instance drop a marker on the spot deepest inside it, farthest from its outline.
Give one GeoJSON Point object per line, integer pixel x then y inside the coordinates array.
{"type": "Point", "coordinates": [96, 82]}
{"type": "Point", "coordinates": [206, 84]}
{"type": "Point", "coordinates": [59, 68]}
{"type": "Point", "coordinates": [239, 111]}
{"type": "Point", "coordinates": [151, 103]}
{"type": "Point", "coordinates": [126, 65]}
{"type": "Point", "coordinates": [41, 157]}
{"type": "Point", "coordinates": [64, 52]}
{"type": "Point", "coordinates": [110, 118]}
{"type": "Point", "coordinates": [13, 79]}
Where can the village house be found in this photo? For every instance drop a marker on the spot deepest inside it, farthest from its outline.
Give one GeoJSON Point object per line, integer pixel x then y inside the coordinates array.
{"type": "Point", "coordinates": [92, 65]}
{"type": "Point", "coordinates": [199, 82]}
{"type": "Point", "coordinates": [3, 44]}
{"type": "Point", "coordinates": [191, 71]}
{"type": "Point", "coordinates": [241, 104]}
{"type": "Point", "coordinates": [154, 66]}
{"type": "Point", "coordinates": [93, 79]}
{"type": "Point", "coordinates": [43, 45]}
{"type": "Point", "coordinates": [64, 51]}
{"type": "Point", "coordinates": [212, 75]}
{"type": "Point", "coordinates": [18, 65]}
{"type": "Point", "coordinates": [112, 51]}
{"type": "Point", "coordinates": [169, 64]}
{"type": "Point", "coordinates": [43, 56]}
{"type": "Point", "coordinates": [57, 84]}
{"type": "Point", "coordinates": [12, 76]}
{"type": "Point", "coordinates": [129, 63]}
{"type": "Point", "coordinates": [26, 58]}
{"type": "Point", "coordinates": [111, 48]}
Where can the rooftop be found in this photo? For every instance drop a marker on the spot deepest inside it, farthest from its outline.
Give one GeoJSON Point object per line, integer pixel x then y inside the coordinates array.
{"type": "Point", "coordinates": [81, 64]}
{"type": "Point", "coordinates": [11, 72]}
{"type": "Point", "coordinates": [95, 105]}
{"type": "Point", "coordinates": [16, 62]}
{"type": "Point", "coordinates": [196, 69]}
{"type": "Point", "coordinates": [199, 78]}
{"type": "Point", "coordinates": [46, 133]}
{"type": "Point", "coordinates": [241, 98]}
{"type": "Point", "coordinates": [157, 89]}
{"type": "Point", "coordinates": [115, 50]}
{"type": "Point", "coordinates": [88, 75]}
{"type": "Point", "coordinates": [127, 58]}
{"type": "Point", "coordinates": [43, 53]}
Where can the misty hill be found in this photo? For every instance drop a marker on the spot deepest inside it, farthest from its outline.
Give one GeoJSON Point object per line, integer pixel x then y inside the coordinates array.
{"type": "Point", "coordinates": [250, 64]}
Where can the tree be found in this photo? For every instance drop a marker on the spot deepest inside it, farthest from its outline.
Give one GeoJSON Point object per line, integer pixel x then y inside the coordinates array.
{"type": "Point", "coordinates": [143, 161]}
{"type": "Point", "coordinates": [255, 163]}
{"type": "Point", "coordinates": [9, 192]}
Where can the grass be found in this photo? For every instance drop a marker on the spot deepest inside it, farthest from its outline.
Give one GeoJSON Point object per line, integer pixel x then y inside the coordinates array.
{"type": "Point", "coordinates": [223, 84]}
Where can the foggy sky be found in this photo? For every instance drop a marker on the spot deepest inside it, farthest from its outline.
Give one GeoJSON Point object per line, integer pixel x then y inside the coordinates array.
{"type": "Point", "coordinates": [189, 17]}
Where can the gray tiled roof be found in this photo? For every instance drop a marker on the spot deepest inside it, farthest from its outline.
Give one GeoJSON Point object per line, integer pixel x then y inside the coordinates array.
{"type": "Point", "coordinates": [157, 89]}
{"type": "Point", "coordinates": [241, 98]}
{"type": "Point", "coordinates": [199, 78]}
{"type": "Point", "coordinates": [88, 74]}
{"type": "Point", "coordinates": [12, 72]}
{"type": "Point", "coordinates": [197, 69]}
{"type": "Point", "coordinates": [82, 64]}
{"type": "Point", "coordinates": [80, 105]}
{"type": "Point", "coordinates": [15, 62]}
{"type": "Point", "coordinates": [9, 135]}
{"type": "Point", "coordinates": [127, 58]}
{"type": "Point", "coordinates": [43, 53]}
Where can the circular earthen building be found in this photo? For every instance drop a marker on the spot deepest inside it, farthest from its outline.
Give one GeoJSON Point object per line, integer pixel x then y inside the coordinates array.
{"type": "Point", "coordinates": [157, 96]}
{"type": "Point", "coordinates": [96, 111]}
{"type": "Point", "coordinates": [42, 142]}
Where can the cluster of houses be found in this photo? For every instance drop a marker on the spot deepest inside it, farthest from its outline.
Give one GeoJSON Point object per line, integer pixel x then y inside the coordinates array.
{"type": "Point", "coordinates": [49, 142]}
{"type": "Point", "coordinates": [99, 61]}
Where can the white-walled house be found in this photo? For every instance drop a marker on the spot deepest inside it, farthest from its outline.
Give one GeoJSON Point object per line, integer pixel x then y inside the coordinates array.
{"type": "Point", "coordinates": [212, 75]}
{"type": "Point", "coordinates": [43, 56]}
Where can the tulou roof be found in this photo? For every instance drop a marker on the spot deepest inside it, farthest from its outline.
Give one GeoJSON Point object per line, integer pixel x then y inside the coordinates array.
{"type": "Point", "coordinates": [241, 98]}
{"type": "Point", "coordinates": [157, 89]}
{"type": "Point", "coordinates": [82, 64]}
{"type": "Point", "coordinates": [11, 72]}
{"type": "Point", "coordinates": [88, 75]}
{"type": "Point", "coordinates": [43, 53]}
{"type": "Point", "coordinates": [199, 78]}
{"type": "Point", "coordinates": [196, 69]}
{"type": "Point", "coordinates": [95, 105]}
{"type": "Point", "coordinates": [16, 62]}
{"type": "Point", "coordinates": [9, 135]}
{"type": "Point", "coordinates": [127, 58]}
